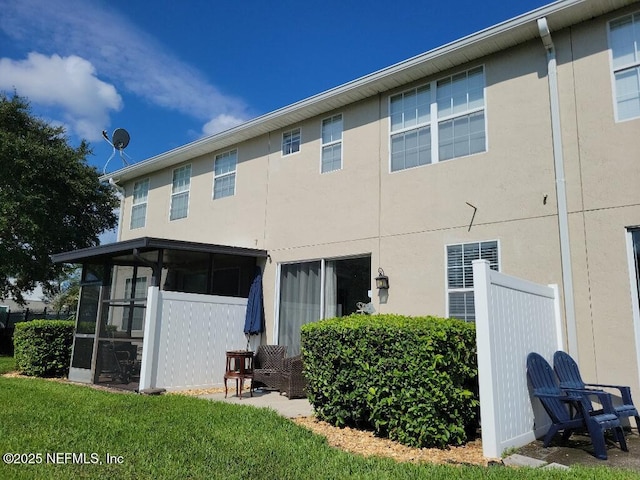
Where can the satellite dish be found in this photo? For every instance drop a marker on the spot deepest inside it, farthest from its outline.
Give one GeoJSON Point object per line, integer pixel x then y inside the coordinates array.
{"type": "Point", "coordinates": [120, 138]}
{"type": "Point", "coordinates": [119, 141]}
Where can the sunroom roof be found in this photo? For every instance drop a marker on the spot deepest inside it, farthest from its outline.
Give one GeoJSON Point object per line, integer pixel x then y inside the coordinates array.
{"type": "Point", "coordinates": [124, 251]}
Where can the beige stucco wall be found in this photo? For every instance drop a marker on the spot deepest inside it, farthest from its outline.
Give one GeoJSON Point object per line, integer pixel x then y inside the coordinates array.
{"type": "Point", "coordinates": [306, 207]}
{"type": "Point", "coordinates": [405, 219]}
{"type": "Point", "coordinates": [237, 220]}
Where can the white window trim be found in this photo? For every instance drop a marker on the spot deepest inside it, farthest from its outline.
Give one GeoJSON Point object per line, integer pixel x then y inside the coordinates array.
{"type": "Point", "coordinates": [139, 203]}
{"type": "Point", "coordinates": [334, 142]}
{"type": "Point", "coordinates": [187, 191]}
{"type": "Point", "coordinates": [299, 129]}
{"type": "Point", "coordinates": [613, 70]}
{"type": "Point", "coordinates": [227, 174]}
{"type": "Point", "coordinates": [434, 120]}
{"type": "Point", "coordinates": [447, 290]}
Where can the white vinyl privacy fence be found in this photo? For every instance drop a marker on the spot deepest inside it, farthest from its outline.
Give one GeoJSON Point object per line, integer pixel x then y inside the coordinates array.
{"type": "Point", "coordinates": [513, 318]}
{"type": "Point", "coordinates": [186, 336]}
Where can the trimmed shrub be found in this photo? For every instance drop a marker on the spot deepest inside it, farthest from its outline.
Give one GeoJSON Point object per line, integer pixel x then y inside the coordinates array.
{"type": "Point", "coordinates": [412, 379]}
{"type": "Point", "coordinates": [42, 348]}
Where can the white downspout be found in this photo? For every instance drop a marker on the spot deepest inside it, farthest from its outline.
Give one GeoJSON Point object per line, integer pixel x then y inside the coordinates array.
{"type": "Point", "coordinates": [561, 191]}
{"type": "Point", "coordinates": [120, 191]}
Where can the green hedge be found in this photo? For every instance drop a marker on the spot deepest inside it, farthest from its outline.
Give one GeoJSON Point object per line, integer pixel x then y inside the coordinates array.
{"type": "Point", "coordinates": [42, 348]}
{"type": "Point", "coordinates": [412, 379]}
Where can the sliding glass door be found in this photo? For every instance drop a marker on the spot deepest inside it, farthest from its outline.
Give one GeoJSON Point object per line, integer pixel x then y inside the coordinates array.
{"type": "Point", "coordinates": [300, 291]}
{"type": "Point", "coordinates": [319, 289]}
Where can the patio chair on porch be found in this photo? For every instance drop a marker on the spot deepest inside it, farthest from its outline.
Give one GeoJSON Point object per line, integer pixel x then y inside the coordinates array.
{"type": "Point", "coordinates": [114, 364]}
{"type": "Point", "coordinates": [294, 382]}
{"type": "Point", "coordinates": [268, 366]}
{"type": "Point", "coordinates": [569, 375]}
{"type": "Point", "coordinates": [581, 416]}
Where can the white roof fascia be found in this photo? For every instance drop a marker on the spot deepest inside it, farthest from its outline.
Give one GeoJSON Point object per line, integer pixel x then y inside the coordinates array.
{"type": "Point", "coordinates": [512, 32]}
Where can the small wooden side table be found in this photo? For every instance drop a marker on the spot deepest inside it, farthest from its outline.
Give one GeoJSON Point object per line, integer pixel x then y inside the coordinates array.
{"type": "Point", "coordinates": [240, 368]}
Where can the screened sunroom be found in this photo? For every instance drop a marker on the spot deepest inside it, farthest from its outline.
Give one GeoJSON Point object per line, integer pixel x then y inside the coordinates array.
{"type": "Point", "coordinates": [158, 313]}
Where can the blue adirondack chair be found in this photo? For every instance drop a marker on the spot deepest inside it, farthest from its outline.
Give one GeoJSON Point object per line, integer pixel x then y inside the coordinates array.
{"type": "Point", "coordinates": [557, 401]}
{"type": "Point", "coordinates": [569, 375]}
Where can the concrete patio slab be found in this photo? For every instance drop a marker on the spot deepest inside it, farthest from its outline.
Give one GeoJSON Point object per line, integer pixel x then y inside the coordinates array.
{"type": "Point", "coordinates": [517, 460]}
{"type": "Point", "coordinates": [579, 451]}
{"type": "Point", "coordinates": [296, 407]}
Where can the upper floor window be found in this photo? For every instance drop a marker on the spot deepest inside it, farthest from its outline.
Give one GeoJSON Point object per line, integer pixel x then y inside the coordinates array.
{"type": "Point", "coordinates": [438, 121]}
{"type": "Point", "coordinates": [291, 142]}
{"type": "Point", "coordinates": [224, 174]}
{"type": "Point", "coordinates": [460, 302]}
{"type": "Point", "coordinates": [411, 119]}
{"type": "Point", "coordinates": [624, 39]}
{"type": "Point", "coordinates": [460, 100]}
{"type": "Point", "coordinates": [332, 143]}
{"type": "Point", "coordinates": [139, 204]}
{"type": "Point", "coordinates": [180, 192]}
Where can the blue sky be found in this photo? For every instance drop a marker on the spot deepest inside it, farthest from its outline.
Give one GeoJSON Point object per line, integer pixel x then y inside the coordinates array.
{"type": "Point", "coordinates": [171, 72]}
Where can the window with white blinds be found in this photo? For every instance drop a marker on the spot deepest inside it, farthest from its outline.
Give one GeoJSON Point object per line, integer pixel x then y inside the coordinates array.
{"type": "Point", "coordinates": [441, 120]}
{"type": "Point", "coordinates": [624, 40]}
{"type": "Point", "coordinates": [460, 275]}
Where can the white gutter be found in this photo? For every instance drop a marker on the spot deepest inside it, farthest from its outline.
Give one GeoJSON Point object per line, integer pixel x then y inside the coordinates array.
{"type": "Point", "coordinates": [120, 191]}
{"type": "Point", "coordinates": [561, 191]}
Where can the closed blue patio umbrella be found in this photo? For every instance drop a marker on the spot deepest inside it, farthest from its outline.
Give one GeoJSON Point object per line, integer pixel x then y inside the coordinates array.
{"type": "Point", "coordinates": [254, 319]}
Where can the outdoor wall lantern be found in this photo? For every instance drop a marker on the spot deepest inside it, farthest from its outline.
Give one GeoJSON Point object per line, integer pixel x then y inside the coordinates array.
{"type": "Point", "coordinates": [382, 281]}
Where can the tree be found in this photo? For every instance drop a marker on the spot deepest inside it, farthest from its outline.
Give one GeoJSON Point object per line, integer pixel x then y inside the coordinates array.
{"type": "Point", "coordinates": [68, 291]}
{"type": "Point", "coordinates": [51, 200]}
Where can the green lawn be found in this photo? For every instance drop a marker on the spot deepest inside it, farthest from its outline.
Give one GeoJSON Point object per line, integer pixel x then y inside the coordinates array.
{"type": "Point", "coordinates": [7, 364]}
{"type": "Point", "coordinates": [179, 437]}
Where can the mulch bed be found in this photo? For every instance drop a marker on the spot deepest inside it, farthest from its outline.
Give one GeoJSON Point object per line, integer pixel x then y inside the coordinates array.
{"type": "Point", "coordinates": [366, 443]}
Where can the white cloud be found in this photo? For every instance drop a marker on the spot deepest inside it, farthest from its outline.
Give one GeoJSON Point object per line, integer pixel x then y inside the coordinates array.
{"type": "Point", "coordinates": [220, 123]}
{"type": "Point", "coordinates": [128, 57]}
{"type": "Point", "coordinates": [69, 83]}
